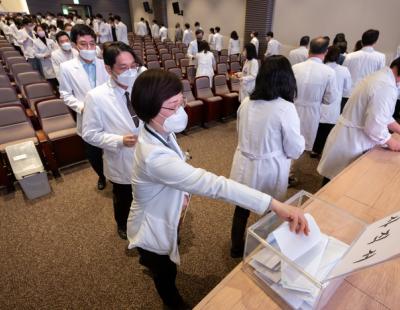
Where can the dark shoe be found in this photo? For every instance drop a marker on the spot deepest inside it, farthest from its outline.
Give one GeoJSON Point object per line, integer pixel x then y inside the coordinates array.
{"type": "Point", "coordinates": [293, 181]}
{"type": "Point", "coordinates": [122, 233]}
{"type": "Point", "coordinates": [101, 184]}
{"type": "Point", "coordinates": [237, 253]}
{"type": "Point", "coordinates": [314, 155]}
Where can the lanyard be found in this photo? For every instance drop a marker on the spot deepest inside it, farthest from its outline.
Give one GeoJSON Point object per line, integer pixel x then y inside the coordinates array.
{"type": "Point", "coordinates": [158, 138]}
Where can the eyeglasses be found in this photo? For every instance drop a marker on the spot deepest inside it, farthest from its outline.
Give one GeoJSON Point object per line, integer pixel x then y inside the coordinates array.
{"type": "Point", "coordinates": [182, 104]}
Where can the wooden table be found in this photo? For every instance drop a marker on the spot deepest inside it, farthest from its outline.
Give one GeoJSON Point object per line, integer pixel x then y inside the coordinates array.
{"type": "Point", "coordinates": [369, 189]}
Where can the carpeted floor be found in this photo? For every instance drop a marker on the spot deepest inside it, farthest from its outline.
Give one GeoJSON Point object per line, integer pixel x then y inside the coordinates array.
{"type": "Point", "coordinates": [62, 251]}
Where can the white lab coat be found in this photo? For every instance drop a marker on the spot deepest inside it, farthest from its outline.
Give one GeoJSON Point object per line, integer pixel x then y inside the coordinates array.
{"type": "Point", "coordinates": [187, 36]}
{"type": "Point", "coordinates": [26, 43]}
{"type": "Point", "coordinates": [316, 85]}
{"type": "Point", "coordinates": [161, 178]}
{"type": "Point", "coordinates": [75, 84]}
{"type": "Point", "coordinates": [233, 47]}
{"type": "Point", "coordinates": [219, 41]}
{"type": "Point", "coordinates": [59, 56]}
{"type": "Point", "coordinates": [269, 137]}
{"type": "Point", "coordinates": [96, 24]}
{"type": "Point", "coordinates": [155, 31]}
{"type": "Point", "coordinates": [106, 120]}
{"type": "Point", "coordinates": [163, 33]}
{"type": "Point", "coordinates": [363, 123]}
{"type": "Point", "coordinates": [205, 65]}
{"type": "Point", "coordinates": [43, 53]}
{"type": "Point", "coordinates": [273, 48]}
{"type": "Point", "coordinates": [141, 29]}
{"type": "Point", "coordinates": [192, 52]}
{"type": "Point", "coordinates": [122, 32]}
{"type": "Point", "coordinates": [105, 34]}
{"type": "Point", "coordinates": [256, 43]}
{"type": "Point", "coordinates": [248, 81]}
{"type": "Point", "coordinates": [298, 55]}
{"type": "Point", "coordinates": [211, 41]}
{"type": "Point", "coordinates": [330, 112]}
{"type": "Point", "coordinates": [363, 62]}
{"type": "Point", "coordinates": [15, 34]}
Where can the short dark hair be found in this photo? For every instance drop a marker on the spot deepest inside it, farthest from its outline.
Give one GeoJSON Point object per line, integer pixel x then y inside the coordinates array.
{"type": "Point", "coordinates": [270, 34]}
{"type": "Point", "coordinates": [198, 31]}
{"type": "Point", "coordinates": [234, 35]}
{"type": "Point", "coordinates": [196, 24]}
{"type": "Point", "coordinates": [151, 89]}
{"type": "Point", "coordinates": [204, 46]}
{"type": "Point", "coordinates": [60, 34]}
{"type": "Point", "coordinates": [332, 55]}
{"type": "Point", "coordinates": [304, 41]}
{"type": "Point", "coordinates": [99, 16]}
{"type": "Point", "coordinates": [319, 45]}
{"type": "Point", "coordinates": [342, 45]}
{"type": "Point", "coordinates": [154, 21]}
{"type": "Point", "coordinates": [26, 21]}
{"type": "Point", "coordinates": [358, 46]}
{"type": "Point", "coordinates": [187, 25]}
{"type": "Point", "coordinates": [328, 39]}
{"type": "Point", "coordinates": [81, 30]}
{"type": "Point", "coordinates": [67, 25]}
{"type": "Point", "coordinates": [142, 19]}
{"type": "Point", "coordinates": [255, 33]}
{"type": "Point", "coordinates": [52, 27]}
{"type": "Point", "coordinates": [111, 19]}
{"type": "Point", "coordinates": [212, 30]}
{"type": "Point", "coordinates": [251, 52]}
{"type": "Point", "coordinates": [217, 29]}
{"type": "Point", "coordinates": [339, 37]}
{"type": "Point", "coordinates": [396, 63]}
{"type": "Point", "coordinates": [275, 79]}
{"type": "Point", "coordinates": [370, 37]}
{"type": "Point", "coordinates": [117, 17]}
{"type": "Point", "coordinates": [111, 50]}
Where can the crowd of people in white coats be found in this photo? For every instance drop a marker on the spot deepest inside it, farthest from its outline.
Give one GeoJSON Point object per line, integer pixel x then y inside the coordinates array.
{"type": "Point", "coordinates": [321, 99]}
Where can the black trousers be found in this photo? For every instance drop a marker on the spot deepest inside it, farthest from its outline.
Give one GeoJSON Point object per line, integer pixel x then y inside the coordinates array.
{"type": "Point", "coordinates": [396, 114]}
{"type": "Point", "coordinates": [164, 275]}
{"type": "Point", "coordinates": [95, 157]}
{"type": "Point", "coordinates": [238, 230]}
{"type": "Point", "coordinates": [343, 103]}
{"type": "Point", "coordinates": [122, 199]}
{"type": "Point", "coordinates": [322, 134]}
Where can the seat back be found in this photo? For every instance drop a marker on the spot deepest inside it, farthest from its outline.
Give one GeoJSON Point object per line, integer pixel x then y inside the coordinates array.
{"type": "Point", "coordinates": [5, 82]}
{"type": "Point", "coordinates": [165, 57]}
{"type": "Point", "coordinates": [153, 65]}
{"type": "Point", "coordinates": [21, 67]}
{"type": "Point", "coordinates": [178, 57]}
{"type": "Point", "coordinates": [187, 91]}
{"type": "Point", "coordinates": [222, 68]}
{"type": "Point", "coordinates": [25, 78]}
{"type": "Point", "coordinates": [235, 84]}
{"type": "Point", "coordinates": [15, 60]}
{"type": "Point", "coordinates": [233, 58]}
{"type": "Point", "coordinates": [151, 51]}
{"type": "Point", "coordinates": [202, 87]}
{"type": "Point", "coordinates": [6, 49]}
{"type": "Point", "coordinates": [8, 54]}
{"type": "Point", "coordinates": [223, 59]}
{"type": "Point", "coordinates": [152, 58]}
{"type": "Point", "coordinates": [169, 63]}
{"type": "Point", "coordinates": [8, 96]}
{"type": "Point", "coordinates": [220, 85]}
{"type": "Point", "coordinates": [175, 50]}
{"type": "Point", "coordinates": [224, 52]}
{"type": "Point", "coordinates": [184, 62]}
{"type": "Point", "coordinates": [163, 51]}
{"type": "Point", "coordinates": [14, 124]}
{"type": "Point", "coordinates": [54, 115]}
{"type": "Point", "coordinates": [235, 67]}
{"type": "Point", "coordinates": [176, 71]}
{"type": "Point", "coordinates": [37, 92]}
{"type": "Point", "coordinates": [191, 73]}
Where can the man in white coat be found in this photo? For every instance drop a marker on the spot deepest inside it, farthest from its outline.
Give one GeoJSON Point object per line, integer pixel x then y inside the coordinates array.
{"type": "Point", "coordinates": [163, 33]}
{"type": "Point", "coordinates": [121, 30]}
{"type": "Point", "coordinates": [105, 34]}
{"type": "Point", "coordinates": [194, 47]}
{"type": "Point", "coordinates": [26, 36]}
{"type": "Point", "coordinates": [187, 35]}
{"type": "Point", "coordinates": [316, 85]}
{"type": "Point", "coordinates": [218, 40]}
{"type": "Point", "coordinates": [364, 123]}
{"type": "Point", "coordinates": [77, 77]}
{"type": "Point", "coordinates": [365, 61]}
{"type": "Point", "coordinates": [300, 54]}
{"type": "Point", "coordinates": [64, 53]}
{"type": "Point", "coordinates": [273, 45]}
{"type": "Point", "coordinates": [110, 123]}
{"type": "Point", "coordinates": [141, 29]}
{"type": "Point", "coordinates": [155, 30]}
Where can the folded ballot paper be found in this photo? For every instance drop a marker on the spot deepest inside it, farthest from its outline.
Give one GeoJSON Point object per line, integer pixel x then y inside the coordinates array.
{"type": "Point", "coordinates": [316, 254]}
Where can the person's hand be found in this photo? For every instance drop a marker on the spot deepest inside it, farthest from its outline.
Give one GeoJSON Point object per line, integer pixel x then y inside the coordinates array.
{"type": "Point", "coordinates": [129, 140]}
{"type": "Point", "coordinates": [393, 144]}
{"type": "Point", "coordinates": [295, 216]}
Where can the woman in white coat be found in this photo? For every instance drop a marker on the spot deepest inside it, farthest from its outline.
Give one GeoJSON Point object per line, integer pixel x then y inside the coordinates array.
{"type": "Point", "coordinates": [249, 72]}
{"type": "Point", "coordinates": [269, 138]}
{"type": "Point", "coordinates": [205, 61]}
{"type": "Point", "coordinates": [234, 44]}
{"type": "Point", "coordinates": [43, 47]}
{"type": "Point", "coordinates": [162, 181]}
{"type": "Point", "coordinates": [364, 123]}
{"type": "Point", "coordinates": [330, 113]}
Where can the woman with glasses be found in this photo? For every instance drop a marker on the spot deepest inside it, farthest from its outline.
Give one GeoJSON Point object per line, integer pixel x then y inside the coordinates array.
{"type": "Point", "coordinates": [162, 182]}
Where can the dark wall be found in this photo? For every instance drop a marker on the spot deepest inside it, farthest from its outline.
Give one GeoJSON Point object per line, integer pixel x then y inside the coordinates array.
{"type": "Point", "coordinates": [117, 7]}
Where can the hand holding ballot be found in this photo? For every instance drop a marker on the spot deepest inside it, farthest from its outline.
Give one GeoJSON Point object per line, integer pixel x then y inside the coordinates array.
{"type": "Point", "coordinates": [295, 216]}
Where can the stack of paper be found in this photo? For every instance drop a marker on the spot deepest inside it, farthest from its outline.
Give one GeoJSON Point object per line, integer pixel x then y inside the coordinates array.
{"type": "Point", "coordinates": [316, 254]}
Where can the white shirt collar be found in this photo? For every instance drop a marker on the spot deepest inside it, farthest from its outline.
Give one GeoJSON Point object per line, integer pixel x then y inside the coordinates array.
{"type": "Point", "coordinates": [316, 59]}
{"type": "Point", "coordinates": [368, 49]}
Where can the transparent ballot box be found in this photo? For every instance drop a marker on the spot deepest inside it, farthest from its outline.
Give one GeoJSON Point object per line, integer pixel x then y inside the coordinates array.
{"type": "Point", "coordinates": [296, 270]}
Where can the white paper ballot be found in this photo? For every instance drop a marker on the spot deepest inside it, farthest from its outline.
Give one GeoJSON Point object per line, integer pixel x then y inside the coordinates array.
{"type": "Point", "coordinates": [294, 245]}
{"type": "Point", "coordinates": [268, 258]}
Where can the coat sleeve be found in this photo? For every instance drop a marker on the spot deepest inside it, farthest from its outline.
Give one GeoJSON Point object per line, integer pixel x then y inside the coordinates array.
{"type": "Point", "coordinates": [66, 92]}
{"type": "Point", "coordinates": [379, 115]}
{"type": "Point", "coordinates": [190, 52]}
{"type": "Point", "coordinates": [253, 71]}
{"type": "Point", "coordinates": [293, 141]}
{"type": "Point", "coordinates": [56, 65]}
{"type": "Point", "coordinates": [172, 171]}
{"type": "Point", "coordinates": [93, 129]}
{"type": "Point", "coordinates": [347, 83]}
{"type": "Point", "coordinates": [331, 93]}
{"type": "Point", "coordinates": [40, 54]}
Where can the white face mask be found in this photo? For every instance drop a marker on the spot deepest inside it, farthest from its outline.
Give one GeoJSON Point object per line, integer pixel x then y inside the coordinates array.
{"type": "Point", "coordinates": [66, 46]}
{"type": "Point", "coordinates": [41, 34]}
{"type": "Point", "coordinates": [177, 122]}
{"type": "Point", "coordinates": [127, 78]}
{"type": "Point", "coordinates": [88, 55]}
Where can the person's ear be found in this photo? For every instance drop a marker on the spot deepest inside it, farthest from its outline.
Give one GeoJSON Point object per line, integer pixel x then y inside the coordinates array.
{"type": "Point", "coordinates": [108, 69]}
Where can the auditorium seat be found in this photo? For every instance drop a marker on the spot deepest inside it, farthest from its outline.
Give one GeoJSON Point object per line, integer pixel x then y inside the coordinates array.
{"type": "Point", "coordinates": [212, 104]}
{"type": "Point", "coordinates": [230, 102]}
{"type": "Point", "coordinates": [14, 60]}
{"type": "Point", "coordinates": [194, 108]}
{"type": "Point", "coordinates": [165, 57]}
{"type": "Point", "coordinates": [153, 65]}
{"type": "Point", "coordinates": [5, 82]}
{"type": "Point", "coordinates": [21, 67]}
{"type": "Point", "coordinates": [177, 72]}
{"type": "Point", "coordinates": [25, 78]}
{"type": "Point", "coordinates": [235, 67]}
{"type": "Point", "coordinates": [169, 63]}
{"type": "Point", "coordinates": [37, 92]}
{"type": "Point", "coordinates": [151, 58]}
